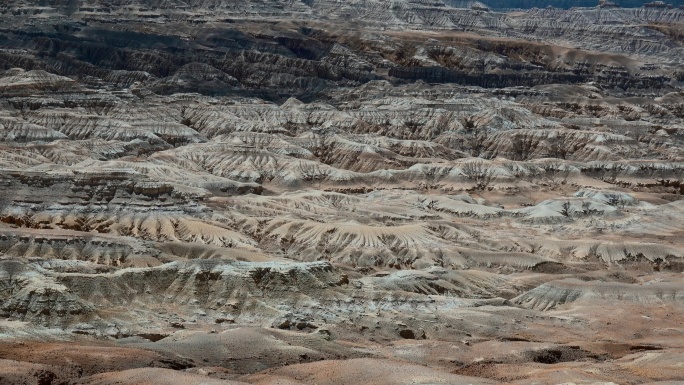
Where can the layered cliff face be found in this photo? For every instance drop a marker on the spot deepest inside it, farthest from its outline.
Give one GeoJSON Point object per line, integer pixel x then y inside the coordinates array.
{"type": "Point", "coordinates": [339, 192]}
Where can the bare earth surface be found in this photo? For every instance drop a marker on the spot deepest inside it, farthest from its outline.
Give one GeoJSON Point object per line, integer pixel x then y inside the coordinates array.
{"type": "Point", "coordinates": [357, 192]}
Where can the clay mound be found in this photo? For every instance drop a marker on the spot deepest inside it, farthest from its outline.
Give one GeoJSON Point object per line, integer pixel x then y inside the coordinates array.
{"type": "Point", "coordinates": [363, 370]}
{"type": "Point", "coordinates": [42, 301]}
{"type": "Point", "coordinates": [12, 158]}
{"type": "Point", "coordinates": [84, 360]}
{"type": "Point", "coordinates": [378, 206]}
{"type": "Point", "coordinates": [175, 250]}
{"type": "Point", "coordinates": [461, 206]}
{"type": "Point", "coordinates": [348, 154]}
{"type": "Point", "coordinates": [249, 350]}
{"type": "Point", "coordinates": [358, 244]}
{"type": "Point", "coordinates": [256, 117]}
{"type": "Point", "coordinates": [394, 122]}
{"type": "Point", "coordinates": [204, 283]}
{"type": "Point", "coordinates": [164, 228]}
{"type": "Point", "coordinates": [132, 113]}
{"type": "Point", "coordinates": [566, 144]}
{"type": "Point", "coordinates": [43, 296]}
{"type": "Point", "coordinates": [558, 210]}
{"type": "Point", "coordinates": [498, 259]}
{"type": "Point", "coordinates": [657, 365]}
{"type": "Point", "coordinates": [86, 126]}
{"type": "Point", "coordinates": [237, 163]}
{"type": "Point", "coordinates": [60, 152]}
{"type": "Point", "coordinates": [613, 198]}
{"type": "Point", "coordinates": [677, 205]}
{"type": "Point", "coordinates": [68, 152]}
{"type": "Point", "coordinates": [503, 116]}
{"type": "Point", "coordinates": [278, 144]}
{"type": "Point", "coordinates": [195, 77]}
{"type": "Point", "coordinates": [49, 245]}
{"type": "Point", "coordinates": [144, 376]}
{"type": "Point", "coordinates": [212, 122]}
{"type": "Point", "coordinates": [158, 227]}
{"type": "Point", "coordinates": [180, 177]}
{"type": "Point", "coordinates": [557, 293]}
{"type": "Point", "coordinates": [439, 281]}
{"type": "Point", "coordinates": [468, 174]}
{"type": "Point", "coordinates": [417, 149]}
{"type": "Point", "coordinates": [27, 82]}
{"type": "Point", "coordinates": [14, 130]}
{"type": "Point", "coordinates": [173, 133]}
{"type": "Point", "coordinates": [16, 372]}
{"type": "Point", "coordinates": [611, 252]}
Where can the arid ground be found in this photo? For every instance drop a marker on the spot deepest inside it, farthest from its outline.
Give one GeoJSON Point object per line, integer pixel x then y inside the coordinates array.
{"type": "Point", "coordinates": [319, 192]}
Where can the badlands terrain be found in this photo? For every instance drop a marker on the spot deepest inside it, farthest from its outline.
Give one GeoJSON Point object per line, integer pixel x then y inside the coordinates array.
{"type": "Point", "coordinates": [325, 192]}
